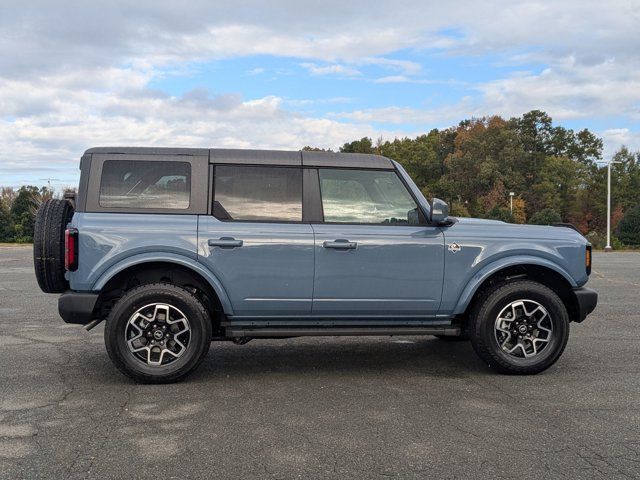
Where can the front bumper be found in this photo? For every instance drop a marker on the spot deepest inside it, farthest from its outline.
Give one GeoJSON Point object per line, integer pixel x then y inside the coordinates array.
{"type": "Point", "coordinates": [586, 300]}
{"type": "Point", "coordinates": [76, 307]}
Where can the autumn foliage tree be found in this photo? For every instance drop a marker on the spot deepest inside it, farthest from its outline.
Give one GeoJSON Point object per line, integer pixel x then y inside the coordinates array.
{"type": "Point", "coordinates": [475, 165]}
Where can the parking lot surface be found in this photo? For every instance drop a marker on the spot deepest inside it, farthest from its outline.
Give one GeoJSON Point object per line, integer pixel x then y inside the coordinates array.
{"type": "Point", "coordinates": [405, 407]}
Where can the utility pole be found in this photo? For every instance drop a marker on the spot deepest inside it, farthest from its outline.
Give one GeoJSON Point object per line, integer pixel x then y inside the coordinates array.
{"type": "Point", "coordinates": [511, 194]}
{"type": "Point", "coordinates": [49, 182]}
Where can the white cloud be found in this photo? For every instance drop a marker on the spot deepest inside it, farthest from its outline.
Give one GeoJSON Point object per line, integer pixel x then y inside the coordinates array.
{"type": "Point", "coordinates": [406, 66]}
{"type": "Point", "coordinates": [443, 116]}
{"type": "Point", "coordinates": [335, 69]}
{"type": "Point", "coordinates": [614, 138]}
{"type": "Point", "coordinates": [54, 35]}
{"type": "Point", "coordinates": [49, 140]}
{"type": "Point", "coordinates": [568, 89]}
{"type": "Point", "coordinates": [392, 79]}
{"type": "Point", "coordinates": [76, 74]}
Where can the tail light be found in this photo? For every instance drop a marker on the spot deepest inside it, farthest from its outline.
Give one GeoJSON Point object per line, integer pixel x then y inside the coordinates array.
{"type": "Point", "coordinates": [71, 249]}
{"type": "Point", "coordinates": [587, 259]}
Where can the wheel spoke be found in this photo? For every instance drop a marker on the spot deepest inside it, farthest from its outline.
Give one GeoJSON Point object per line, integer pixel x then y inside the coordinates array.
{"type": "Point", "coordinates": [150, 332]}
{"type": "Point", "coordinates": [523, 328]}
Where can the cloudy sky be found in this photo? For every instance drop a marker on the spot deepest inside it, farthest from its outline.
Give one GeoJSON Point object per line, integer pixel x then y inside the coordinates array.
{"type": "Point", "coordinates": [285, 74]}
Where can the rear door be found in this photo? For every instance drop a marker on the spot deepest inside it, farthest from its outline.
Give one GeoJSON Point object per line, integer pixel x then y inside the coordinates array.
{"type": "Point", "coordinates": [375, 253]}
{"type": "Point", "coordinates": [255, 242]}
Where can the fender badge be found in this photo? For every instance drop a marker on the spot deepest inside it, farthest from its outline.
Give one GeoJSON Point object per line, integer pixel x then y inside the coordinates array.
{"type": "Point", "coordinates": [454, 248]}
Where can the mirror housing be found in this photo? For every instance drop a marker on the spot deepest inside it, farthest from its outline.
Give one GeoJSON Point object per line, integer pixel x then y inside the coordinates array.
{"type": "Point", "coordinates": [439, 211]}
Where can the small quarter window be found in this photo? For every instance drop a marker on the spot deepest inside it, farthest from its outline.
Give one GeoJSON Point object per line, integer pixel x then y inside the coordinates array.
{"type": "Point", "coordinates": [141, 184]}
{"type": "Point", "coordinates": [366, 196]}
{"type": "Point", "coordinates": [271, 194]}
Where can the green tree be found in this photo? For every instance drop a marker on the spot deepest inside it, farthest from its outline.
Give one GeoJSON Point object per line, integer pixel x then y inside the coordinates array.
{"type": "Point", "coordinates": [6, 224]}
{"type": "Point", "coordinates": [364, 145]}
{"type": "Point", "coordinates": [23, 212]}
{"type": "Point", "coordinates": [500, 213]}
{"type": "Point", "coordinates": [546, 216]}
{"type": "Point", "coordinates": [628, 231]}
{"type": "Point", "coordinates": [474, 165]}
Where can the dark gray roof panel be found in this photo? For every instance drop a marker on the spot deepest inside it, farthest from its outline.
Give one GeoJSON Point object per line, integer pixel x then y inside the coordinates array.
{"type": "Point", "coordinates": [149, 151]}
{"type": "Point", "coordinates": [261, 157]}
{"type": "Point", "coordinates": [256, 157]}
{"type": "Point", "coordinates": [359, 160]}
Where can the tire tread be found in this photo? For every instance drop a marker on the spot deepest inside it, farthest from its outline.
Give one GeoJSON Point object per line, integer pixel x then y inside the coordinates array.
{"type": "Point", "coordinates": [52, 218]}
{"type": "Point", "coordinates": [163, 289]}
{"type": "Point", "coordinates": [484, 348]}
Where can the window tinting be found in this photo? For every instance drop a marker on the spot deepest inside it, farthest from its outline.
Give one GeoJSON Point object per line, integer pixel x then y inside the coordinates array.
{"type": "Point", "coordinates": [139, 184]}
{"type": "Point", "coordinates": [366, 196]}
{"type": "Point", "coordinates": [258, 193]}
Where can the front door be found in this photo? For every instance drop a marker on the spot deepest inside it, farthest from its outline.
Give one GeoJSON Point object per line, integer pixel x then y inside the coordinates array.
{"type": "Point", "coordinates": [255, 242]}
{"type": "Point", "coordinates": [374, 253]}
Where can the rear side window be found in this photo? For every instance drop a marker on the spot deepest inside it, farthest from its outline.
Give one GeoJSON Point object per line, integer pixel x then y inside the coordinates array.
{"type": "Point", "coordinates": [145, 184]}
{"type": "Point", "coordinates": [255, 193]}
{"type": "Point", "coordinates": [366, 196]}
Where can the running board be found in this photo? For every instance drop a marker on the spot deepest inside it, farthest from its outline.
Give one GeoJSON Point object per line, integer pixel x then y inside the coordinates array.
{"type": "Point", "coordinates": [337, 331]}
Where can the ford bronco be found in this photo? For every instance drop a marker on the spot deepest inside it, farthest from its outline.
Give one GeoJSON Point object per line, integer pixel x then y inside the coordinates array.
{"type": "Point", "coordinates": [174, 248]}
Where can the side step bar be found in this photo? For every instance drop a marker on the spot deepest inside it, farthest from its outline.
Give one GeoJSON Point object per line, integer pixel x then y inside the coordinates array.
{"type": "Point", "coordinates": [337, 331]}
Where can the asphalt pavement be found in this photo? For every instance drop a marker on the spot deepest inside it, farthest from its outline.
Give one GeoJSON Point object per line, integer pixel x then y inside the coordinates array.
{"type": "Point", "coordinates": [387, 407]}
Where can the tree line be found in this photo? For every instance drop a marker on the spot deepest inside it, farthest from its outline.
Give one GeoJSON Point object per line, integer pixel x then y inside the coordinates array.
{"type": "Point", "coordinates": [18, 212]}
{"type": "Point", "coordinates": [555, 173]}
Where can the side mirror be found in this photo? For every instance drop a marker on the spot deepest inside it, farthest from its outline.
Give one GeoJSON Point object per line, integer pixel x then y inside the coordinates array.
{"type": "Point", "coordinates": [439, 211]}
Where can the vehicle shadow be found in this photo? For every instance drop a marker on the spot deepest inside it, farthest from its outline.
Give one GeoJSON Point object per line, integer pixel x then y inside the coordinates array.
{"type": "Point", "coordinates": [319, 356]}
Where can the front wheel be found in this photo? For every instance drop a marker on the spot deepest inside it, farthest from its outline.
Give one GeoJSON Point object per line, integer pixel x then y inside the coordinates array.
{"type": "Point", "coordinates": [520, 327]}
{"type": "Point", "coordinates": [157, 333]}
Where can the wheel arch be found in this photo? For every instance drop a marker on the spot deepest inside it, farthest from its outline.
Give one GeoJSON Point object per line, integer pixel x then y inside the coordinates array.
{"type": "Point", "coordinates": [155, 268]}
{"type": "Point", "coordinates": [540, 270]}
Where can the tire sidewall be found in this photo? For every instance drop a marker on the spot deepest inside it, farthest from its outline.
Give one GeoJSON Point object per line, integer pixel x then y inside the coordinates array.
{"type": "Point", "coordinates": [181, 299]}
{"type": "Point", "coordinates": [485, 324]}
{"type": "Point", "coordinates": [51, 221]}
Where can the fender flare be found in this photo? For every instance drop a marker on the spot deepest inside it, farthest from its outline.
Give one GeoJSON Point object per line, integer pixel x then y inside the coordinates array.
{"type": "Point", "coordinates": [182, 260]}
{"type": "Point", "coordinates": [485, 272]}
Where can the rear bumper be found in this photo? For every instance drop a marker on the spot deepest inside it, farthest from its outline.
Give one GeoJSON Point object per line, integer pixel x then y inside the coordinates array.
{"type": "Point", "coordinates": [75, 307]}
{"type": "Point", "coordinates": [587, 300]}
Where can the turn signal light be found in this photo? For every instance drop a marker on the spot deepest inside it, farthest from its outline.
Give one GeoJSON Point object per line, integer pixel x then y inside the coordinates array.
{"type": "Point", "coordinates": [71, 249]}
{"type": "Point", "coordinates": [587, 259]}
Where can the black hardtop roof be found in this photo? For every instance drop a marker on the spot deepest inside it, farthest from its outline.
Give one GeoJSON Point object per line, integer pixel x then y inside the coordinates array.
{"type": "Point", "coordinates": [259, 157]}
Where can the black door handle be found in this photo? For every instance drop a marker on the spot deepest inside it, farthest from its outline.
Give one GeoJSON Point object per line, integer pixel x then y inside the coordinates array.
{"type": "Point", "coordinates": [225, 242]}
{"type": "Point", "coordinates": [340, 244]}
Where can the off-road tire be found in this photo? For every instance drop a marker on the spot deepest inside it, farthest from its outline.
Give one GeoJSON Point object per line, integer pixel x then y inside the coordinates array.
{"type": "Point", "coordinates": [180, 298]}
{"type": "Point", "coordinates": [52, 218]}
{"type": "Point", "coordinates": [482, 327]}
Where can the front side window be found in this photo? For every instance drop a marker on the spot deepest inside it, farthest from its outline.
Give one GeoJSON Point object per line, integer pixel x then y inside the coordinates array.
{"type": "Point", "coordinates": [256, 193]}
{"type": "Point", "coordinates": [142, 184]}
{"type": "Point", "coordinates": [366, 196]}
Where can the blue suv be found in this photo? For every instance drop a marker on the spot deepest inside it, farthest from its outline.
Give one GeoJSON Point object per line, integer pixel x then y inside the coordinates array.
{"type": "Point", "coordinates": [175, 248]}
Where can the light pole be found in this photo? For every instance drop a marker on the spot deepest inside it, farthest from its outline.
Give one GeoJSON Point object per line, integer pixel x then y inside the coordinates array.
{"type": "Point", "coordinates": [608, 248]}
{"type": "Point", "coordinates": [511, 194]}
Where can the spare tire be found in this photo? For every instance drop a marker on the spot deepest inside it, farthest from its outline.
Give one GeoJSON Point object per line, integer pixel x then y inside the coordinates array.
{"type": "Point", "coordinates": [48, 244]}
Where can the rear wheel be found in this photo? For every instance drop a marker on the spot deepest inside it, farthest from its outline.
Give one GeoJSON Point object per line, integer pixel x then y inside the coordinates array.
{"type": "Point", "coordinates": [157, 333]}
{"type": "Point", "coordinates": [48, 244]}
{"type": "Point", "coordinates": [520, 327]}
